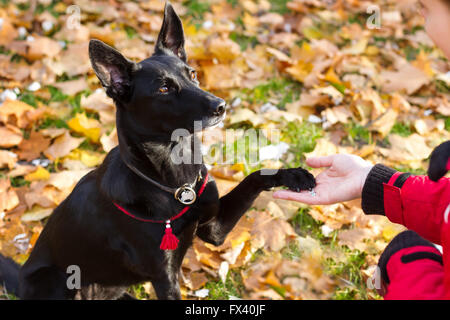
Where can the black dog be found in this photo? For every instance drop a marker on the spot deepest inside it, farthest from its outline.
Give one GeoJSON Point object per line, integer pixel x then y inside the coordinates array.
{"type": "Point", "coordinates": [90, 229]}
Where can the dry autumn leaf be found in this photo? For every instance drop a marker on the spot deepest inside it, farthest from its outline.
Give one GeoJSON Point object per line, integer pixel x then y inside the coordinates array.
{"type": "Point", "coordinates": [32, 147]}
{"type": "Point", "coordinates": [62, 146]}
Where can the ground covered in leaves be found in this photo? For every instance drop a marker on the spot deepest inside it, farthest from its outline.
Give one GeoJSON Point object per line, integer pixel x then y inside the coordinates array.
{"type": "Point", "coordinates": [311, 69]}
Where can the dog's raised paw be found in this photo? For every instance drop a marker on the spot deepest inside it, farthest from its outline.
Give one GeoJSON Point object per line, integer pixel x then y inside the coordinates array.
{"type": "Point", "coordinates": [297, 179]}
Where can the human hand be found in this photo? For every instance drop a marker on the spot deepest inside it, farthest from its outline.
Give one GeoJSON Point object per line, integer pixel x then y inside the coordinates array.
{"type": "Point", "coordinates": [343, 180]}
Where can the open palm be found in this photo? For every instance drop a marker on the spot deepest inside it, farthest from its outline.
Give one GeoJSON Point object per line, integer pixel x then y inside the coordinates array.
{"type": "Point", "coordinates": [343, 180]}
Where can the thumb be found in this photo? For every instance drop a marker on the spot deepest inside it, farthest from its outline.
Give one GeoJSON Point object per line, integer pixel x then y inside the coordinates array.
{"type": "Point", "coordinates": [319, 162]}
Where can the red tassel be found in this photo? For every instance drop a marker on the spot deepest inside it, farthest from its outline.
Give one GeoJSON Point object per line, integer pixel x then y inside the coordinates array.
{"type": "Point", "coordinates": [169, 241]}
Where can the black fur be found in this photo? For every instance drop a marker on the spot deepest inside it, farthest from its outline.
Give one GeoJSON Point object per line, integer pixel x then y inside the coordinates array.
{"type": "Point", "coordinates": [113, 250]}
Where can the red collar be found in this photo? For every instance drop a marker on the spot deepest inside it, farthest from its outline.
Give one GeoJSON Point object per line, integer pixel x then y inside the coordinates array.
{"type": "Point", "coordinates": [169, 241]}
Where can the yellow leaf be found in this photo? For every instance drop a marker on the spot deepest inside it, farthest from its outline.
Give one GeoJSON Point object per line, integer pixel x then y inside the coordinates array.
{"type": "Point", "coordinates": [372, 51]}
{"type": "Point", "coordinates": [91, 159]}
{"type": "Point", "coordinates": [423, 63]}
{"type": "Point", "coordinates": [238, 167]}
{"type": "Point", "coordinates": [88, 158]}
{"type": "Point", "coordinates": [358, 48]}
{"type": "Point", "coordinates": [331, 76]}
{"type": "Point", "coordinates": [272, 280]}
{"type": "Point", "coordinates": [389, 233]}
{"type": "Point", "coordinates": [88, 127]}
{"type": "Point", "coordinates": [312, 33]}
{"type": "Point", "coordinates": [300, 70]}
{"type": "Point", "coordinates": [39, 174]}
{"type": "Point", "coordinates": [243, 237]}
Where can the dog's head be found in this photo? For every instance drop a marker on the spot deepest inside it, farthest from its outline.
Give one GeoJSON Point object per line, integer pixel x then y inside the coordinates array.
{"type": "Point", "coordinates": [161, 93]}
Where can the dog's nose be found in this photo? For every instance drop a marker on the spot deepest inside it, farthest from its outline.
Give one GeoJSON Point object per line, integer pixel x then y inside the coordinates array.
{"type": "Point", "coordinates": [220, 107]}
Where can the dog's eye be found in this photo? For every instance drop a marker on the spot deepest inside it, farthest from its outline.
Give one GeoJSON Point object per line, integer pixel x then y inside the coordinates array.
{"type": "Point", "coordinates": [193, 75]}
{"type": "Point", "coordinates": [164, 89]}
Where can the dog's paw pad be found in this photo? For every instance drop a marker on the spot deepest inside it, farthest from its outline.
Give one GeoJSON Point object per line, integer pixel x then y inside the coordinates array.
{"type": "Point", "coordinates": [298, 179]}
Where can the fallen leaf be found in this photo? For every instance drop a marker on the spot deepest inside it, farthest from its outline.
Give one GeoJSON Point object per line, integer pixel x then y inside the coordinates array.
{"type": "Point", "coordinates": [36, 215]}
{"type": "Point", "coordinates": [62, 146]}
{"type": "Point", "coordinates": [268, 232]}
{"type": "Point", "coordinates": [31, 148]}
{"type": "Point", "coordinates": [88, 127]}
{"type": "Point", "coordinates": [8, 197]}
{"type": "Point", "coordinates": [39, 174]}
{"type": "Point", "coordinates": [15, 112]}
{"type": "Point", "coordinates": [9, 138]}
{"type": "Point", "coordinates": [407, 77]}
{"type": "Point", "coordinates": [7, 159]}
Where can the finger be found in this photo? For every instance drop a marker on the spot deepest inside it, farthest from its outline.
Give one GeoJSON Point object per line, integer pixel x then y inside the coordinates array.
{"type": "Point", "coordinates": [304, 196]}
{"type": "Point", "coordinates": [319, 162]}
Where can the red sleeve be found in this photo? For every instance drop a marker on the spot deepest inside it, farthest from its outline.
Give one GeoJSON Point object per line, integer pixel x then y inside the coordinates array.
{"type": "Point", "coordinates": [421, 279]}
{"type": "Point", "coordinates": [419, 204]}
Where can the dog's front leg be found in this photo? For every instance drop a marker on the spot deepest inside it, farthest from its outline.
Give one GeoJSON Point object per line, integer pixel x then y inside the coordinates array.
{"type": "Point", "coordinates": [167, 286]}
{"type": "Point", "coordinates": [238, 201]}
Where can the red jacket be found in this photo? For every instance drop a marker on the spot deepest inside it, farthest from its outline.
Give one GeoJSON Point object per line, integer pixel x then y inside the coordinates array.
{"type": "Point", "coordinates": [424, 207]}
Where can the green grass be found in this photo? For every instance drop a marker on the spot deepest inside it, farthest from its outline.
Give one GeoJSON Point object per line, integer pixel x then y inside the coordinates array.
{"type": "Point", "coordinates": [243, 40]}
{"type": "Point", "coordinates": [131, 32]}
{"type": "Point", "coordinates": [90, 146]}
{"type": "Point", "coordinates": [245, 150]}
{"type": "Point", "coordinates": [28, 98]}
{"type": "Point", "coordinates": [56, 95]}
{"type": "Point", "coordinates": [281, 90]}
{"type": "Point", "coordinates": [196, 8]}
{"type": "Point", "coordinates": [411, 53]}
{"type": "Point", "coordinates": [302, 138]}
{"type": "Point", "coordinates": [292, 251]}
{"type": "Point", "coordinates": [447, 123]}
{"type": "Point", "coordinates": [305, 225]}
{"type": "Point", "coordinates": [233, 2]}
{"type": "Point", "coordinates": [441, 86]}
{"type": "Point", "coordinates": [18, 182]}
{"type": "Point", "coordinates": [358, 134]}
{"type": "Point", "coordinates": [138, 291]}
{"type": "Point", "coordinates": [49, 122]}
{"type": "Point", "coordinates": [4, 50]}
{"type": "Point", "coordinates": [402, 129]}
{"type": "Point", "coordinates": [75, 101]}
{"type": "Point", "coordinates": [417, 172]}
{"type": "Point", "coordinates": [233, 286]}
{"type": "Point", "coordinates": [279, 6]}
{"type": "Point", "coordinates": [7, 296]}
{"type": "Point", "coordinates": [350, 271]}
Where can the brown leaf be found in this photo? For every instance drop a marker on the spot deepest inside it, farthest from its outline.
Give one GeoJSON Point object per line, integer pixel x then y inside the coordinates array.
{"type": "Point", "coordinates": [62, 146]}
{"type": "Point", "coordinates": [72, 87]}
{"type": "Point", "coordinates": [9, 138]}
{"type": "Point", "coordinates": [7, 31]}
{"type": "Point", "coordinates": [32, 147]}
{"type": "Point", "coordinates": [220, 76]}
{"type": "Point", "coordinates": [407, 149]}
{"type": "Point", "coordinates": [268, 232]}
{"type": "Point", "coordinates": [8, 197]}
{"type": "Point", "coordinates": [15, 112]}
{"type": "Point", "coordinates": [37, 48]}
{"type": "Point", "coordinates": [408, 78]}
{"type": "Point", "coordinates": [7, 159]}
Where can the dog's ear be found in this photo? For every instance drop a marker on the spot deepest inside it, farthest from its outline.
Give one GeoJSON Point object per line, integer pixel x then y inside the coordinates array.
{"type": "Point", "coordinates": [112, 68]}
{"type": "Point", "coordinates": [171, 36]}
